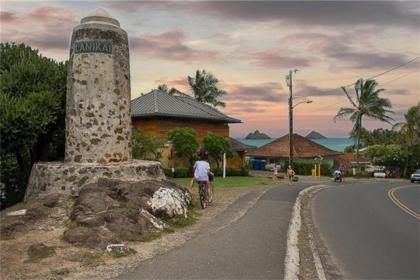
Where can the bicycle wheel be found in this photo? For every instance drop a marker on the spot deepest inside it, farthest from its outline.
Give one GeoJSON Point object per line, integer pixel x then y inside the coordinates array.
{"type": "Point", "coordinates": [203, 197]}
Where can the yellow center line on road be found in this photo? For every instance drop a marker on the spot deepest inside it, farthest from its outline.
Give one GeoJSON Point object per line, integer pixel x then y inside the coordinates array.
{"type": "Point", "coordinates": [396, 201]}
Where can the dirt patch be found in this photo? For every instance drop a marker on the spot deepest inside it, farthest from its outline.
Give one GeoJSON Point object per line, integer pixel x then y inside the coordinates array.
{"type": "Point", "coordinates": [76, 262]}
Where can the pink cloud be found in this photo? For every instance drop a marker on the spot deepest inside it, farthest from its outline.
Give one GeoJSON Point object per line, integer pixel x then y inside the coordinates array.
{"type": "Point", "coordinates": [262, 92]}
{"type": "Point", "coordinates": [7, 17]}
{"type": "Point", "coordinates": [276, 59]}
{"type": "Point", "coordinates": [46, 28]}
{"type": "Point", "coordinates": [180, 84]}
{"type": "Point", "coordinates": [170, 45]}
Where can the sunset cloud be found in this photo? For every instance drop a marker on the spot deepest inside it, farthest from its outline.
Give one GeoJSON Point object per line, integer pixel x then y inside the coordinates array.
{"type": "Point", "coordinates": [367, 59]}
{"type": "Point", "coordinates": [320, 13]}
{"type": "Point", "coordinates": [250, 46]}
{"type": "Point", "coordinates": [277, 59]}
{"type": "Point", "coordinates": [264, 92]}
{"type": "Point", "coordinates": [46, 27]}
{"type": "Point", "coordinates": [170, 45]}
{"type": "Point", "coordinates": [240, 108]}
{"type": "Point", "coordinates": [7, 17]}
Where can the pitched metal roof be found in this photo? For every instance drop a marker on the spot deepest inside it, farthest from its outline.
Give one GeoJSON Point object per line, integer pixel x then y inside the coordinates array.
{"type": "Point", "coordinates": [158, 103]}
{"type": "Point", "coordinates": [238, 146]}
{"type": "Point", "coordinates": [302, 148]}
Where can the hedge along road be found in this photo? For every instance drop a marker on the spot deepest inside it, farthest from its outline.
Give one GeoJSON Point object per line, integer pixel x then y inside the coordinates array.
{"type": "Point", "coordinates": [372, 229]}
{"type": "Point", "coordinates": [247, 241]}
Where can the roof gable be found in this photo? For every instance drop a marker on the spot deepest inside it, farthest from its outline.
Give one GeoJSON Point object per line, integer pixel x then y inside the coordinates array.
{"type": "Point", "coordinates": [238, 146]}
{"type": "Point", "coordinates": [302, 148]}
{"type": "Point", "coordinates": [159, 103]}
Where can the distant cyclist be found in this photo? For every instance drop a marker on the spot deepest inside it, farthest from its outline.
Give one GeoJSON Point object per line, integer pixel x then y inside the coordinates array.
{"type": "Point", "coordinates": [203, 174]}
{"type": "Point", "coordinates": [290, 173]}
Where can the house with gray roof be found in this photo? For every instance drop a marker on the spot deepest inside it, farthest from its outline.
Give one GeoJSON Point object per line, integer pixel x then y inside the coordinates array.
{"type": "Point", "coordinates": [157, 112]}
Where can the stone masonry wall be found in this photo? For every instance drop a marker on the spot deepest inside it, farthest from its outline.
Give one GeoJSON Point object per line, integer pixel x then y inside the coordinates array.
{"type": "Point", "coordinates": [98, 121]}
{"type": "Point", "coordinates": [59, 177]}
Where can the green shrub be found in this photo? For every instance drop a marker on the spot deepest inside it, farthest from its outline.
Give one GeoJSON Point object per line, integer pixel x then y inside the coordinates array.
{"type": "Point", "coordinates": [178, 173]}
{"type": "Point", "coordinates": [185, 173]}
{"type": "Point", "coordinates": [304, 167]}
{"type": "Point", "coordinates": [244, 171]}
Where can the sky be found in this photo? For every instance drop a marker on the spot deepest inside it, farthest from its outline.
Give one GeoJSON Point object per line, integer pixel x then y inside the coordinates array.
{"type": "Point", "coordinates": [250, 46]}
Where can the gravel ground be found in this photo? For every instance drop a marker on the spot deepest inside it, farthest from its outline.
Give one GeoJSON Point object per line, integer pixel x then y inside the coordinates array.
{"type": "Point", "coordinates": [146, 250]}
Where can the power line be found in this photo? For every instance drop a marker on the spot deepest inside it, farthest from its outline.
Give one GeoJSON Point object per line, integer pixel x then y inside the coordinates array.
{"type": "Point", "coordinates": [377, 75]}
{"type": "Point", "coordinates": [398, 78]}
{"type": "Point", "coordinates": [396, 67]}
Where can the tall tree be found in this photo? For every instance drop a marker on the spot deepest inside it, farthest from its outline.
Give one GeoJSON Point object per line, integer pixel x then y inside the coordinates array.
{"type": "Point", "coordinates": [204, 86]}
{"type": "Point", "coordinates": [32, 113]}
{"type": "Point", "coordinates": [410, 133]}
{"type": "Point", "coordinates": [184, 141]}
{"type": "Point", "coordinates": [145, 146]}
{"type": "Point", "coordinates": [217, 145]}
{"type": "Point", "coordinates": [365, 103]}
{"type": "Point", "coordinates": [164, 88]}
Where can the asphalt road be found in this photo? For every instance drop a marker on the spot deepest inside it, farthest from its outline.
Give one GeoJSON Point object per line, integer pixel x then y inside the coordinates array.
{"type": "Point", "coordinates": [250, 247]}
{"type": "Point", "coordinates": [368, 234]}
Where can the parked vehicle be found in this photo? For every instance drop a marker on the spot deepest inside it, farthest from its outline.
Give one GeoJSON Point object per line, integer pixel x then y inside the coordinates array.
{"type": "Point", "coordinates": [415, 176]}
{"type": "Point", "coordinates": [375, 168]}
{"type": "Point", "coordinates": [379, 174]}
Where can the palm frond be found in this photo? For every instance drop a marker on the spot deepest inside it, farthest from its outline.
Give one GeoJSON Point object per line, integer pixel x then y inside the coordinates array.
{"type": "Point", "coordinates": [349, 97]}
{"type": "Point", "coordinates": [343, 113]}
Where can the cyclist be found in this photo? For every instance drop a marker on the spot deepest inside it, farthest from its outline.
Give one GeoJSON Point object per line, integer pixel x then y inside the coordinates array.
{"type": "Point", "coordinates": [290, 173]}
{"type": "Point", "coordinates": [202, 173]}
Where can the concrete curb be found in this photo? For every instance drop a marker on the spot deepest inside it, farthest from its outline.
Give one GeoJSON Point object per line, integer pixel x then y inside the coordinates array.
{"type": "Point", "coordinates": [292, 259]}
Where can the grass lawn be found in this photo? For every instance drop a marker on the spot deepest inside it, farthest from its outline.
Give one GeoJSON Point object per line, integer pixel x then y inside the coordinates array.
{"type": "Point", "coordinates": [234, 181]}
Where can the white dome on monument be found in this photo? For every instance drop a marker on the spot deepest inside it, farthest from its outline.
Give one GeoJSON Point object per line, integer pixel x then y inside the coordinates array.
{"type": "Point", "coordinates": [100, 15]}
{"type": "Point", "coordinates": [100, 12]}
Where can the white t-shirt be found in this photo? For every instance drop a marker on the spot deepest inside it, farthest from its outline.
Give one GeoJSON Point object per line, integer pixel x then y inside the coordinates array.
{"type": "Point", "coordinates": [201, 169]}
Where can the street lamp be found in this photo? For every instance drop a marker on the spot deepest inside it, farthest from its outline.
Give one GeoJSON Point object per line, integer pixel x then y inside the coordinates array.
{"type": "Point", "coordinates": [301, 102]}
{"type": "Point", "coordinates": [289, 81]}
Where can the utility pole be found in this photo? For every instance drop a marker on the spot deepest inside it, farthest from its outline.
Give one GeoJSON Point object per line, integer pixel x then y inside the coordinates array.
{"type": "Point", "coordinates": [289, 81]}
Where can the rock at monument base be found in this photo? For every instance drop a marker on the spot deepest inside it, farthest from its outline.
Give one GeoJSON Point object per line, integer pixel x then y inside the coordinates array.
{"type": "Point", "coordinates": [68, 178]}
{"type": "Point", "coordinates": [111, 211]}
{"type": "Point", "coordinates": [170, 202]}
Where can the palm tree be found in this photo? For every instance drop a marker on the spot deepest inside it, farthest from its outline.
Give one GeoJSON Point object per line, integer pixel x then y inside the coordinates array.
{"type": "Point", "coordinates": [366, 103]}
{"type": "Point", "coordinates": [410, 133]}
{"type": "Point", "coordinates": [164, 88]}
{"type": "Point", "coordinates": [205, 90]}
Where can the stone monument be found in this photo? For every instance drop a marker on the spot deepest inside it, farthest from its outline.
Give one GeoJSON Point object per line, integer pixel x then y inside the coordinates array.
{"type": "Point", "coordinates": [98, 120]}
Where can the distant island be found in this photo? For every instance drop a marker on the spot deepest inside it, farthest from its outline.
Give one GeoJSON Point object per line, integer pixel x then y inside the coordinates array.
{"type": "Point", "coordinates": [315, 135]}
{"type": "Point", "coordinates": [257, 135]}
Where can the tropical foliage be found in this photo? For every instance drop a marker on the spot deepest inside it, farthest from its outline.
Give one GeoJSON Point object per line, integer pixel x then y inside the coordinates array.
{"type": "Point", "coordinates": [378, 136]}
{"type": "Point", "coordinates": [366, 103]}
{"type": "Point", "coordinates": [171, 91]}
{"type": "Point", "coordinates": [204, 86]}
{"type": "Point", "coordinates": [32, 113]}
{"type": "Point", "coordinates": [217, 146]}
{"type": "Point", "coordinates": [184, 143]}
{"type": "Point", "coordinates": [409, 131]}
{"type": "Point", "coordinates": [145, 146]}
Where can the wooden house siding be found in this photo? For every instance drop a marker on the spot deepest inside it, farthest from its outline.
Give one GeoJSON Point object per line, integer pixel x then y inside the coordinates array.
{"type": "Point", "coordinates": [159, 127]}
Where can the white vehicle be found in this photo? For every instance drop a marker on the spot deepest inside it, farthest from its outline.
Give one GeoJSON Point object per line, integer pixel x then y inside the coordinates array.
{"type": "Point", "coordinates": [375, 168]}
{"type": "Point", "coordinates": [379, 174]}
{"type": "Point", "coordinates": [271, 166]}
{"type": "Point", "coordinates": [415, 176]}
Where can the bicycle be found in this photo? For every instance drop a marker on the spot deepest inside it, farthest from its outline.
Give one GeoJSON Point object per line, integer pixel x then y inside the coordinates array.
{"type": "Point", "coordinates": [202, 190]}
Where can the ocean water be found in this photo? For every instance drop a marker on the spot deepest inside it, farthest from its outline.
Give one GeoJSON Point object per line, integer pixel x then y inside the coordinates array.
{"type": "Point", "coordinates": [335, 144]}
